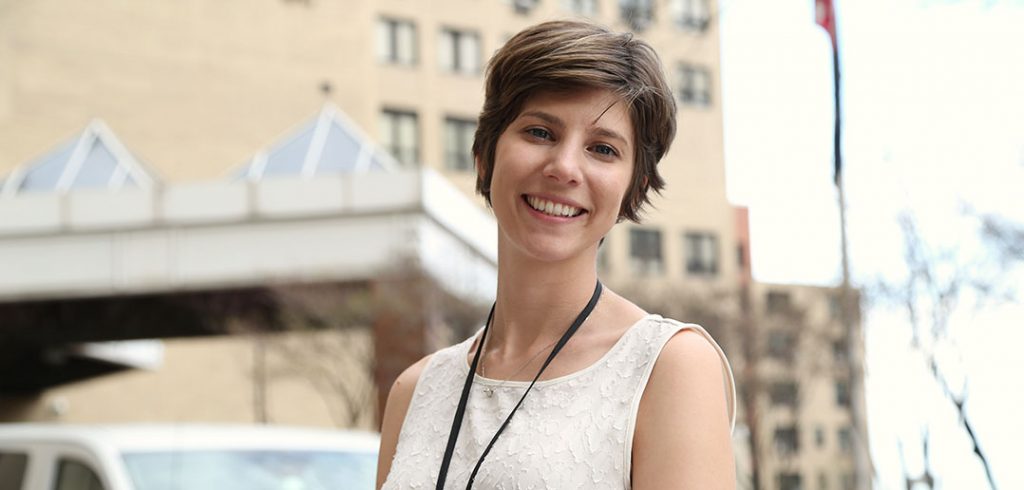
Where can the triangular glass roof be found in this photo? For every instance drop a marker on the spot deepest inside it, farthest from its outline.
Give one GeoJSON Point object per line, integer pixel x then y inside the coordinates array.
{"type": "Point", "coordinates": [330, 143]}
{"type": "Point", "coordinates": [94, 159]}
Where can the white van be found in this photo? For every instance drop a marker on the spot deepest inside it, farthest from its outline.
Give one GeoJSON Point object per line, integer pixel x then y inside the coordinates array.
{"type": "Point", "coordinates": [184, 457]}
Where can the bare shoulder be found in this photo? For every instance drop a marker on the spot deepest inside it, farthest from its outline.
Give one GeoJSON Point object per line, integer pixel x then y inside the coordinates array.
{"type": "Point", "coordinates": [397, 405]}
{"type": "Point", "coordinates": [689, 352]}
{"type": "Point", "coordinates": [682, 437]}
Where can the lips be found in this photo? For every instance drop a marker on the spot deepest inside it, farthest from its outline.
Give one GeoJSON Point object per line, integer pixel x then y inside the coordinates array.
{"type": "Point", "coordinates": [552, 208]}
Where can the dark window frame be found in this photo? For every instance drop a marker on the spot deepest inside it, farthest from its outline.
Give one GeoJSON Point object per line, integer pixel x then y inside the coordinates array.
{"type": "Point", "coordinates": [646, 251]}
{"type": "Point", "coordinates": [781, 345]}
{"type": "Point", "coordinates": [789, 481]}
{"type": "Point", "coordinates": [690, 18]}
{"type": "Point", "coordinates": [690, 93]}
{"type": "Point", "coordinates": [576, 7]}
{"type": "Point", "coordinates": [393, 52]}
{"type": "Point", "coordinates": [637, 14]}
{"type": "Point", "coordinates": [460, 157]}
{"type": "Point", "coordinates": [458, 64]}
{"type": "Point", "coordinates": [786, 440]}
{"type": "Point", "coordinates": [784, 393]}
{"type": "Point", "coordinates": [696, 247]}
{"type": "Point", "coordinates": [406, 154]}
{"type": "Point", "coordinates": [842, 389]}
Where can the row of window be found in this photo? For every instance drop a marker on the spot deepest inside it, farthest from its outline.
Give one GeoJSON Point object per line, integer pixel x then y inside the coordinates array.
{"type": "Point", "coordinates": [786, 393]}
{"type": "Point", "coordinates": [459, 51]}
{"type": "Point", "coordinates": [685, 14]}
{"type": "Point", "coordinates": [782, 346]}
{"type": "Point", "coordinates": [793, 481]}
{"type": "Point", "coordinates": [646, 256]}
{"type": "Point", "coordinates": [780, 303]}
{"type": "Point", "coordinates": [400, 136]}
{"type": "Point", "coordinates": [786, 439]}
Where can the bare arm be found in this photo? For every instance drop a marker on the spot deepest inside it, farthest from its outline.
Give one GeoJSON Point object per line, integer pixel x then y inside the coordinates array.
{"type": "Point", "coordinates": [394, 414]}
{"type": "Point", "coordinates": [682, 437]}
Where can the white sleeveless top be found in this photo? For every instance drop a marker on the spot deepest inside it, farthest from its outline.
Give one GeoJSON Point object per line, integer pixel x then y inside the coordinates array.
{"type": "Point", "coordinates": [575, 431]}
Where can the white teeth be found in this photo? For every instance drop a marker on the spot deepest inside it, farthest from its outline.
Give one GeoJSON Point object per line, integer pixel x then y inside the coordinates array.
{"type": "Point", "coordinates": [554, 209]}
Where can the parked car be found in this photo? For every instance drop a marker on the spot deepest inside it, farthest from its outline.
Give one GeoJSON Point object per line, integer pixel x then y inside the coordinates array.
{"type": "Point", "coordinates": [184, 457]}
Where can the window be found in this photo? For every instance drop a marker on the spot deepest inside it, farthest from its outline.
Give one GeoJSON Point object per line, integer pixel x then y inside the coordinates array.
{"type": "Point", "coordinates": [789, 481]}
{"type": "Point", "coordinates": [840, 352]}
{"type": "Point", "coordinates": [94, 159]}
{"type": "Point", "coordinates": [786, 440]}
{"type": "Point", "coordinates": [72, 475]}
{"type": "Point", "coordinates": [845, 440]}
{"type": "Point", "coordinates": [523, 7]}
{"type": "Point", "coordinates": [12, 470]}
{"type": "Point", "coordinates": [581, 7]}
{"type": "Point", "coordinates": [396, 42]}
{"type": "Point", "coordinates": [842, 393]}
{"type": "Point", "coordinates": [781, 345]}
{"type": "Point", "coordinates": [691, 14]}
{"type": "Point", "coordinates": [783, 393]}
{"type": "Point", "coordinates": [835, 307]}
{"type": "Point", "coordinates": [645, 251]}
{"type": "Point", "coordinates": [847, 480]}
{"type": "Point", "coordinates": [458, 143]}
{"type": "Point", "coordinates": [819, 436]}
{"type": "Point", "coordinates": [741, 256]}
{"type": "Point", "coordinates": [637, 14]}
{"type": "Point", "coordinates": [822, 481]}
{"type": "Point", "coordinates": [777, 302]}
{"type": "Point", "coordinates": [399, 133]}
{"type": "Point", "coordinates": [694, 85]}
{"type": "Point", "coordinates": [459, 51]}
{"type": "Point", "coordinates": [701, 253]}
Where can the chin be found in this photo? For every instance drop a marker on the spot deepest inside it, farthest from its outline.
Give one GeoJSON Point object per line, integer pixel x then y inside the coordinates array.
{"type": "Point", "coordinates": [554, 251]}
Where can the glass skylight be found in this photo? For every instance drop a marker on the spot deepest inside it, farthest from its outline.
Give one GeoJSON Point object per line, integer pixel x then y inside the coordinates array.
{"type": "Point", "coordinates": [95, 159]}
{"type": "Point", "coordinates": [328, 144]}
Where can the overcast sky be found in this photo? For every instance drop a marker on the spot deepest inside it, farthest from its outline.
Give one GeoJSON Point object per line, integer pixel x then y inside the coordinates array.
{"type": "Point", "coordinates": [933, 119]}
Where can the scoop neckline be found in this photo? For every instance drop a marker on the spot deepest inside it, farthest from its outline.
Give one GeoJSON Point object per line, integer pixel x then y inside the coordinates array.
{"type": "Point", "coordinates": [464, 354]}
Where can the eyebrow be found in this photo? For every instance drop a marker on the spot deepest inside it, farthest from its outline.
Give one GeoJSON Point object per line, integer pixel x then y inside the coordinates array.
{"type": "Point", "coordinates": [555, 121]}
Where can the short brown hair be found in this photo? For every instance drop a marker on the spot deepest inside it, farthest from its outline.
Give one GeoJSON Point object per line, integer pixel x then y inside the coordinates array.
{"type": "Point", "coordinates": [560, 55]}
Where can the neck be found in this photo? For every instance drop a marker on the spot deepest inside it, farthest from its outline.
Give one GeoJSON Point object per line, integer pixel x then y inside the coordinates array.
{"type": "Point", "coordinates": [536, 302]}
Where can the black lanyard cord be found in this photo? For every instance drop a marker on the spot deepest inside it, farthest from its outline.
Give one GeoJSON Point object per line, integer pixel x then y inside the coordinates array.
{"type": "Point", "coordinates": [461, 410]}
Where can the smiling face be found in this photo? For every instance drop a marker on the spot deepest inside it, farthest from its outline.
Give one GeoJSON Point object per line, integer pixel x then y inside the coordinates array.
{"type": "Point", "coordinates": [561, 170]}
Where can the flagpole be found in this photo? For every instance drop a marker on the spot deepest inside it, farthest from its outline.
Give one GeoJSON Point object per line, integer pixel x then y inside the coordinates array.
{"type": "Point", "coordinates": [848, 304]}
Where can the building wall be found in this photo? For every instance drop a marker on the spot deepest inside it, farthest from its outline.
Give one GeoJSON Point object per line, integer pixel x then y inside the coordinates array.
{"type": "Point", "coordinates": [816, 363]}
{"type": "Point", "coordinates": [217, 379]}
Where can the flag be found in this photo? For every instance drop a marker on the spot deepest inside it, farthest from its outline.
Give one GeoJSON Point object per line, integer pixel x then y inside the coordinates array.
{"type": "Point", "coordinates": [826, 18]}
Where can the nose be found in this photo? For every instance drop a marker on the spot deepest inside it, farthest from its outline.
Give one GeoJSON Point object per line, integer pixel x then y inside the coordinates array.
{"type": "Point", "coordinates": [565, 164]}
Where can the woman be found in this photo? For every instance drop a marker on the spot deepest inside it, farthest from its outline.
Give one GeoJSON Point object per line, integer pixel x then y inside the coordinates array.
{"type": "Point", "coordinates": [574, 122]}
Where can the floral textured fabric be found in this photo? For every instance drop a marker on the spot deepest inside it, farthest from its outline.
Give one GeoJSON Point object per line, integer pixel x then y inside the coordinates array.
{"type": "Point", "coordinates": [575, 431]}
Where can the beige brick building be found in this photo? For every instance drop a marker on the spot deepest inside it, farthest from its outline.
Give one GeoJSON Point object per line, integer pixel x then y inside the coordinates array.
{"type": "Point", "coordinates": [194, 90]}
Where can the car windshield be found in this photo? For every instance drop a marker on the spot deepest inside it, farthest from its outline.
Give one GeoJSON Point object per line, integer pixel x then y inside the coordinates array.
{"type": "Point", "coordinates": [251, 470]}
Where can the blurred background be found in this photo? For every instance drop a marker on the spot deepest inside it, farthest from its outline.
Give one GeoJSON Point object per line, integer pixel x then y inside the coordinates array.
{"type": "Point", "coordinates": [262, 211]}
